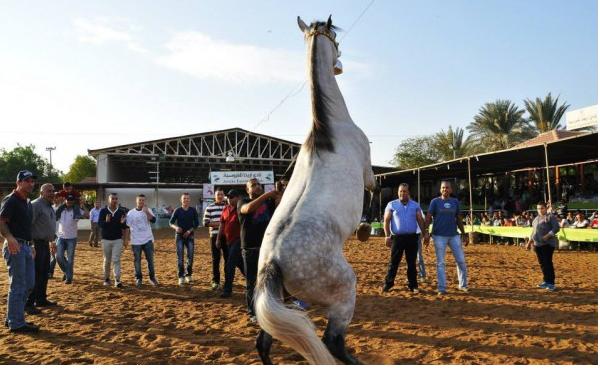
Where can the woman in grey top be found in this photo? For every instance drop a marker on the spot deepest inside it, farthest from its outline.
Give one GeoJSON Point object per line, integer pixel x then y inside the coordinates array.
{"type": "Point", "coordinates": [543, 237]}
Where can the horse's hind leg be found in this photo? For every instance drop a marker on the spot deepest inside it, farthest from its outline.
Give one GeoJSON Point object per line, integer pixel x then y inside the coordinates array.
{"type": "Point", "coordinates": [340, 315]}
{"type": "Point", "coordinates": [263, 345]}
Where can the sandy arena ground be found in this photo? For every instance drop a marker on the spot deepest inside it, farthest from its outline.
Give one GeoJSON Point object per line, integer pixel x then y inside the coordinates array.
{"type": "Point", "coordinates": [503, 320]}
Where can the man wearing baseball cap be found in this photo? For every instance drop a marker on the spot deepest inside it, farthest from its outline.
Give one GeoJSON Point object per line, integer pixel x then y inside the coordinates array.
{"type": "Point", "coordinates": [15, 227]}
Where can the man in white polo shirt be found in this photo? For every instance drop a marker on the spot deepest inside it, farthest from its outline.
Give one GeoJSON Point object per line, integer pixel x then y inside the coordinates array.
{"type": "Point", "coordinates": [402, 216]}
{"type": "Point", "coordinates": [139, 220]}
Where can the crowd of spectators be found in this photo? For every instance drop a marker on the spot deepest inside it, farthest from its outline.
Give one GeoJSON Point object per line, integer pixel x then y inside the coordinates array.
{"type": "Point", "coordinates": [567, 219]}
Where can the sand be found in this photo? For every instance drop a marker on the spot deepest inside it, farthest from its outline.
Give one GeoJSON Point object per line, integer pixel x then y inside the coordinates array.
{"type": "Point", "coordinates": [503, 320]}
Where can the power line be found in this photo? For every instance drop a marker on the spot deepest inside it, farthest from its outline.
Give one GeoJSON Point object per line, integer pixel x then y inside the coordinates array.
{"type": "Point", "coordinates": [300, 87]}
{"type": "Point", "coordinates": [357, 20]}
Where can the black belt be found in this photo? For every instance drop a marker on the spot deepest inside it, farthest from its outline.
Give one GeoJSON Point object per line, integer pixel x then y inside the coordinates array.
{"type": "Point", "coordinates": [397, 235]}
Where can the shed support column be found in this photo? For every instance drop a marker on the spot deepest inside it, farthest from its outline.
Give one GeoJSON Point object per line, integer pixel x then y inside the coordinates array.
{"type": "Point", "coordinates": [470, 193]}
{"type": "Point", "coordinates": [547, 174]}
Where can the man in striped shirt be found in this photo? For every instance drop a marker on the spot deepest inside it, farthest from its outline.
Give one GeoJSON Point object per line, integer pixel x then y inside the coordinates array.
{"type": "Point", "coordinates": [212, 219]}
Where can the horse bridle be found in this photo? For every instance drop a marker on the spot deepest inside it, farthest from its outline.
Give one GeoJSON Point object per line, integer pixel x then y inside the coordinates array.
{"type": "Point", "coordinates": [327, 34]}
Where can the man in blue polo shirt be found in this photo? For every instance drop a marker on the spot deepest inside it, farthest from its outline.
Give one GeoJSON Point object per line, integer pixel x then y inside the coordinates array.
{"type": "Point", "coordinates": [445, 212]}
{"type": "Point", "coordinates": [15, 226]}
{"type": "Point", "coordinates": [402, 216]}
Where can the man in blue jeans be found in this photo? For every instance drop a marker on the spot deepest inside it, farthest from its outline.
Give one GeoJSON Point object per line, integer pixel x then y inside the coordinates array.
{"type": "Point", "coordinates": [67, 218]}
{"type": "Point", "coordinates": [445, 212]}
{"type": "Point", "coordinates": [15, 226]}
{"type": "Point", "coordinates": [139, 220]}
{"type": "Point", "coordinates": [184, 220]}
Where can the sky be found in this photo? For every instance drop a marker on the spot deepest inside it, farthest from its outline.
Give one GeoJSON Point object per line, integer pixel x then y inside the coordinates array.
{"type": "Point", "coordinates": [79, 75]}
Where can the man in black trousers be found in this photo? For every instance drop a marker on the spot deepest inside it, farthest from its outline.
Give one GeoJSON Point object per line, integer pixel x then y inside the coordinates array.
{"type": "Point", "coordinates": [402, 216]}
{"type": "Point", "coordinates": [43, 232]}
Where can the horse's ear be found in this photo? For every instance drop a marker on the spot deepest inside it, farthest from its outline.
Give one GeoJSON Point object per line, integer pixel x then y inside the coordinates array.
{"type": "Point", "coordinates": [302, 25]}
{"type": "Point", "coordinates": [329, 22]}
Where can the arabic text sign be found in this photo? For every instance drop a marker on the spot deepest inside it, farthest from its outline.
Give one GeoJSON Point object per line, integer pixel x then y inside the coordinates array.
{"type": "Point", "coordinates": [240, 177]}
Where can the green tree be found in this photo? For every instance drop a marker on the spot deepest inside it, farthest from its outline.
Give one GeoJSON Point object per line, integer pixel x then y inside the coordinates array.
{"type": "Point", "coordinates": [500, 125]}
{"type": "Point", "coordinates": [545, 114]}
{"type": "Point", "coordinates": [24, 157]}
{"type": "Point", "coordinates": [451, 143]}
{"type": "Point", "coordinates": [415, 152]}
{"type": "Point", "coordinates": [81, 168]}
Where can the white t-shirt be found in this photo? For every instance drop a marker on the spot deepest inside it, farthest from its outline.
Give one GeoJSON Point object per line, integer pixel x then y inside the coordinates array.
{"type": "Point", "coordinates": [139, 226]}
{"type": "Point", "coordinates": [67, 225]}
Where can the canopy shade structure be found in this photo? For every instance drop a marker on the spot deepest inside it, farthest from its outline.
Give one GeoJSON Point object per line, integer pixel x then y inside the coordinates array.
{"type": "Point", "coordinates": [583, 148]}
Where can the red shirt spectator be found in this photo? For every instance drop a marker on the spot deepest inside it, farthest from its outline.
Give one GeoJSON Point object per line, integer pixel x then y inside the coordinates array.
{"type": "Point", "coordinates": [63, 193]}
{"type": "Point", "coordinates": [230, 224]}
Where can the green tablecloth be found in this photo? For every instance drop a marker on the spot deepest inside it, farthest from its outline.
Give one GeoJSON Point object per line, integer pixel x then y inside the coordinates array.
{"type": "Point", "coordinates": [566, 234]}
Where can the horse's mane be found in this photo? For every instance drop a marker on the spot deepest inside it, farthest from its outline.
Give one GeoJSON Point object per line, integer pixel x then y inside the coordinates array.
{"type": "Point", "coordinates": [320, 137]}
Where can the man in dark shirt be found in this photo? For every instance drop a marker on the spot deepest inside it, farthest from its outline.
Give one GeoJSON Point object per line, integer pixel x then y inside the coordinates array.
{"type": "Point", "coordinates": [15, 227]}
{"type": "Point", "coordinates": [444, 212]}
{"type": "Point", "coordinates": [112, 222]}
{"type": "Point", "coordinates": [254, 214]}
{"type": "Point", "coordinates": [184, 220]}
{"type": "Point", "coordinates": [229, 237]}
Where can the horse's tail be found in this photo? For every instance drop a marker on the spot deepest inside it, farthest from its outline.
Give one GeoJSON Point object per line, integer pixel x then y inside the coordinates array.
{"type": "Point", "coordinates": [291, 326]}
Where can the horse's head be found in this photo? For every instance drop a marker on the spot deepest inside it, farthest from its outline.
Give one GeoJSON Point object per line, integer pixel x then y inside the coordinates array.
{"type": "Point", "coordinates": [326, 29]}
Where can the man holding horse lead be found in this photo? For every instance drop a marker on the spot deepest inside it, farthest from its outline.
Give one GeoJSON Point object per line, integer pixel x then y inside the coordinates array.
{"type": "Point", "coordinates": [255, 214]}
{"type": "Point", "coordinates": [402, 217]}
{"type": "Point", "coordinates": [445, 213]}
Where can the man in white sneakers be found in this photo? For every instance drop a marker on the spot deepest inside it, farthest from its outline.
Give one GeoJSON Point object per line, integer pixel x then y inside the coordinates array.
{"type": "Point", "coordinates": [184, 220]}
{"type": "Point", "coordinates": [139, 220]}
{"type": "Point", "coordinates": [112, 224]}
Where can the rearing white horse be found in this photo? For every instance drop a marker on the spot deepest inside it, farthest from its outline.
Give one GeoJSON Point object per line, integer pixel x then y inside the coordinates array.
{"type": "Point", "coordinates": [301, 253]}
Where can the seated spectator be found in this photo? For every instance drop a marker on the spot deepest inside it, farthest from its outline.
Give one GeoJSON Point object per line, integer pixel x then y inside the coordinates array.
{"type": "Point", "coordinates": [508, 222]}
{"type": "Point", "coordinates": [570, 219]}
{"type": "Point", "coordinates": [520, 220]}
{"type": "Point", "coordinates": [594, 215]}
{"type": "Point", "coordinates": [485, 220]}
{"type": "Point", "coordinates": [563, 222]}
{"type": "Point", "coordinates": [529, 219]}
{"type": "Point", "coordinates": [497, 219]}
{"type": "Point", "coordinates": [594, 223]}
{"type": "Point", "coordinates": [580, 221]}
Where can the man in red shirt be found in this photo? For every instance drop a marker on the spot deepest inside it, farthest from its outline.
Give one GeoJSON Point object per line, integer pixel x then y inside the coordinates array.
{"type": "Point", "coordinates": [229, 234]}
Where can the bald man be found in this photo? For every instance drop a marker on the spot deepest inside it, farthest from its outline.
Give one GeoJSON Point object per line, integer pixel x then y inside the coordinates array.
{"type": "Point", "coordinates": [43, 226]}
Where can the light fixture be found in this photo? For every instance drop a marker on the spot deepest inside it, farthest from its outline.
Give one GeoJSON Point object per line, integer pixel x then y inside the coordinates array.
{"type": "Point", "coordinates": [230, 157]}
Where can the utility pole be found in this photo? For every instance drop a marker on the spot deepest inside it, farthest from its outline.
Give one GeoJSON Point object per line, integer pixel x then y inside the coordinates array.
{"type": "Point", "coordinates": [50, 149]}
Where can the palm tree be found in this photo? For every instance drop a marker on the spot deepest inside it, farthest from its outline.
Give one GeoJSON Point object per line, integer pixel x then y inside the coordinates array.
{"type": "Point", "coordinates": [451, 143]}
{"type": "Point", "coordinates": [545, 114]}
{"type": "Point", "coordinates": [500, 125]}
